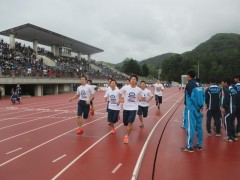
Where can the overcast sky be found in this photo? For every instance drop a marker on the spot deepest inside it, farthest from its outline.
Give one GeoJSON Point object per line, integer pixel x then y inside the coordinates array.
{"type": "Point", "coordinates": [128, 28]}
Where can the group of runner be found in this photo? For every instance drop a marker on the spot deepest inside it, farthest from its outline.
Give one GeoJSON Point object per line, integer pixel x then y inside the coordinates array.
{"type": "Point", "coordinates": [222, 103]}
{"type": "Point", "coordinates": [135, 101]}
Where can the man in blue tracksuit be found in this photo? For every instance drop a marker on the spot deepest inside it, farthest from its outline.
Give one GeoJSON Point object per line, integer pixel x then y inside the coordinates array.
{"type": "Point", "coordinates": [229, 108]}
{"type": "Point", "coordinates": [237, 87]}
{"type": "Point", "coordinates": [184, 114]}
{"type": "Point", "coordinates": [213, 96]}
{"type": "Point", "coordinates": [194, 101]}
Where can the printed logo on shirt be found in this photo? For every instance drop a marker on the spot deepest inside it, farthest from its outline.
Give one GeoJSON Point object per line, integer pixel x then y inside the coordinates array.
{"type": "Point", "coordinates": [215, 90]}
{"type": "Point", "coordinates": [131, 97]}
{"type": "Point", "coordinates": [113, 99]}
{"type": "Point", "coordinates": [83, 94]}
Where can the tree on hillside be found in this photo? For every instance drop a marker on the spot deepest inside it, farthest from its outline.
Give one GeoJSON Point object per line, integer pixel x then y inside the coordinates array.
{"type": "Point", "coordinates": [131, 66]}
{"type": "Point", "coordinates": [145, 70]}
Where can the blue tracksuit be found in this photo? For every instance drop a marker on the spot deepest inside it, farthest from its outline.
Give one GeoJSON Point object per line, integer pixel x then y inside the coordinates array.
{"type": "Point", "coordinates": [237, 88]}
{"type": "Point", "coordinates": [184, 114]}
{"type": "Point", "coordinates": [230, 106]}
{"type": "Point", "coordinates": [213, 96]}
{"type": "Point", "coordinates": [195, 102]}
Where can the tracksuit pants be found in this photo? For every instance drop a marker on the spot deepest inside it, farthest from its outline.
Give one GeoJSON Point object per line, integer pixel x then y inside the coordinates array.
{"type": "Point", "coordinates": [216, 115]}
{"type": "Point", "coordinates": [194, 125]}
{"type": "Point", "coordinates": [185, 112]}
{"type": "Point", "coordinates": [229, 124]}
{"type": "Point", "coordinates": [238, 121]}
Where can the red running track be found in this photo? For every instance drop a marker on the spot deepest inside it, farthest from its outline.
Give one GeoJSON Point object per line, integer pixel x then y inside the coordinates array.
{"type": "Point", "coordinates": [38, 141]}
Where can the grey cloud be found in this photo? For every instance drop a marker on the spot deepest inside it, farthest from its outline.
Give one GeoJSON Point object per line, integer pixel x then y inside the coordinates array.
{"type": "Point", "coordinates": [128, 28]}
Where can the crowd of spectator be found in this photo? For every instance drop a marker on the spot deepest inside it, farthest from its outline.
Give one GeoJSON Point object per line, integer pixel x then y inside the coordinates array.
{"type": "Point", "coordinates": [22, 61]}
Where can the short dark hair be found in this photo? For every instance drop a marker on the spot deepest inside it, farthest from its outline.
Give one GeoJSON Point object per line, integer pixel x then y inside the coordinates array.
{"type": "Point", "coordinates": [191, 73]}
{"type": "Point", "coordinates": [226, 80]}
{"type": "Point", "coordinates": [133, 76]}
{"type": "Point", "coordinates": [90, 81]}
{"type": "Point", "coordinates": [197, 79]}
{"type": "Point", "coordinates": [237, 76]}
{"type": "Point", "coordinates": [143, 82]}
{"type": "Point", "coordinates": [114, 81]}
{"type": "Point", "coordinates": [83, 77]}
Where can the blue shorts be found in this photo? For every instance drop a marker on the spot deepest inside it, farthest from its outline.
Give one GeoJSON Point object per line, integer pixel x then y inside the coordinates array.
{"type": "Point", "coordinates": [83, 109]}
{"type": "Point", "coordinates": [129, 116]}
{"type": "Point", "coordinates": [113, 115]}
{"type": "Point", "coordinates": [142, 111]}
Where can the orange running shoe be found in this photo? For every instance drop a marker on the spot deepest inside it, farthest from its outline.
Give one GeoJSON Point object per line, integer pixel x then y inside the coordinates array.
{"type": "Point", "coordinates": [91, 111]}
{"type": "Point", "coordinates": [113, 131]}
{"type": "Point", "coordinates": [125, 141]}
{"type": "Point", "coordinates": [79, 131]}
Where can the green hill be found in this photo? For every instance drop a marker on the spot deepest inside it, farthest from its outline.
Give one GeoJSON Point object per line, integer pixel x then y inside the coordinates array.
{"type": "Point", "coordinates": [157, 60]}
{"type": "Point", "coordinates": [219, 56]}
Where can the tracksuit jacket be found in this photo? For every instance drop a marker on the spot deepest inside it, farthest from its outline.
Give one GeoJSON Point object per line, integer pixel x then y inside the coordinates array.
{"type": "Point", "coordinates": [195, 101]}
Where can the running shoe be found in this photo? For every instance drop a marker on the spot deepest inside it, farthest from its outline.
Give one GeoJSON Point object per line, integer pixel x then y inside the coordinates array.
{"type": "Point", "coordinates": [186, 149]}
{"type": "Point", "coordinates": [79, 131]}
{"type": "Point", "coordinates": [125, 141]}
{"type": "Point", "coordinates": [91, 111]}
{"type": "Point", "coordinates": [209, 134]}
{"type": "Point", "coordinates": [235, 139]}
{"type": "Point", "coordinates": [113, 131]}
{"type": "Point", "coordinates": [218, 134]}
{"type": "Point", "coordinates": [199, 148]}
{"type": "Point", "coordinates": [230, 139]}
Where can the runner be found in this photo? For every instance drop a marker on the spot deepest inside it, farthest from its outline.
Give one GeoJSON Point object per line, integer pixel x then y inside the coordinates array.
{"type": "Point", "coordinates": [131, 95]}
{"type": "Point", "coordinates": [158, 91]}
{"type": "Point", "coordinates": [144, 104]}
{"type": "Point", "coordinates": [85, 94]}
{"type": "Point", "coordinates": [113, 97]}
{"type": "Point", "coordinates": [95, 88]}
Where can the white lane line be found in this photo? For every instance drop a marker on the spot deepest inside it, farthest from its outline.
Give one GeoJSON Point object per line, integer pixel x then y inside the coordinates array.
{"type": "Point", "coordinates": [84, 152]}
{"type": "Point", "coordinates": [140, 158]}
{"type": "Point", "coordinates": [35, 129]}
{"type": "Point", "coordinates": [46, 142]}
{"type": "Point", "coordinates": [116, 168]}
{"type": "Point", "coordinates": [13, 151]}
{"type": "Point", "coordinates": [36, 119]}
{"type": "Point", "coordinates": [59, 158]}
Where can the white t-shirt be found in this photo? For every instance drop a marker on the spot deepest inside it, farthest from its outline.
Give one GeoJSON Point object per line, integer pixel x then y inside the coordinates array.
{"type": "Point", "coordinates": [146, 95]}
{"type": "Point", "coordinates": [113, 98]}
{"type": "Point", "coordinates": [93, 87]}
{"type": "Point", "coordinates": [158, 89]}
{"type": "Point", "coordinates": [130, 96]}
{"type": "Point", "coordinates": [85, 92]}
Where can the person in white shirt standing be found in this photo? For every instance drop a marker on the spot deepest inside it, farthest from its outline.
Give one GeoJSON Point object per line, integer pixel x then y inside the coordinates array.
{"type": "Point", "coordinates": [113, 97]}
{"type": "Point", "coordinates": [147, 96]}
{"type": "Point", "coordinates": [85, 93]}
{"type": "Point", "coordinates": [131, 96]}
{"type": "Point", "coordinates": [158, 91]}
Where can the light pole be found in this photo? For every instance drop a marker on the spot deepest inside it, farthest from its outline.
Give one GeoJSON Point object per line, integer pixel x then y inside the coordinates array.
{"type": "Point", "coordinates": [198, 69]}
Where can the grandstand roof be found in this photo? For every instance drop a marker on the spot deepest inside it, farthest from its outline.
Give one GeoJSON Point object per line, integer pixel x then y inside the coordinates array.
{"type": "Point", "coordinates": [30, 32]}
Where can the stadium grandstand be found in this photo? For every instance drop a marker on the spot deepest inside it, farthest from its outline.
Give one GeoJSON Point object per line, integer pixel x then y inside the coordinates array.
{"type": "Point", "coordinates": [18, 60]}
